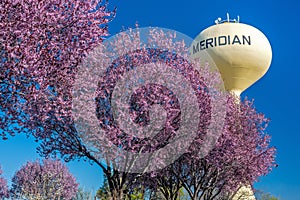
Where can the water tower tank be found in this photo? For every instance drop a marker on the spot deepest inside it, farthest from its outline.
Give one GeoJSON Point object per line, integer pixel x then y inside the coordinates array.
{"type": "Point", "coordinates": [241, 52]}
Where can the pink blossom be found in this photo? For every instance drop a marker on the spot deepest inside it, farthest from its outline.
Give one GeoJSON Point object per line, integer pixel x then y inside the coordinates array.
{"type": "Point", "coordinates": [48, 180]}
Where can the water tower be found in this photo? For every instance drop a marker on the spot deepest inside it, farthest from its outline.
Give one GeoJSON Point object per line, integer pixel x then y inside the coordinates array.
{"type": "Point", "coordinates": [241, 52]}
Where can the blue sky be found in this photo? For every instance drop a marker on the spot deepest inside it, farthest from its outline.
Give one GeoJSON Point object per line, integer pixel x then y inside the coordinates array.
{"type": "Point", "coordinates": [276, 94]}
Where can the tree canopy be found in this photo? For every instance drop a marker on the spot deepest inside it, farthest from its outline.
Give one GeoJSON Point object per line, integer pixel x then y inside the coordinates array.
{"type": "Point", "coordinates": [50, 179]}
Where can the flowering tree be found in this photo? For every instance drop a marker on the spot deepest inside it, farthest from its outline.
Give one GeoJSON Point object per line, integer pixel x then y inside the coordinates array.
{"type": "Point", "coordinates": [3, 187]}
{"type": "Point", "coordinates": [152, 85]}
{"type": "Point", "coordinates": [41, 43]}
{"type": "Point", "coordinates": [48, 180]}
{"type": "Point", "coordinates": [241, 155]}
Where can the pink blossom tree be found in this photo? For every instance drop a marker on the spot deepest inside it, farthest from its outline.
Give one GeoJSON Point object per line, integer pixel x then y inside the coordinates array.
{"type": "Point", "coordinates": [124, 166]}
{"type": "Point", "coordinates": [241, 155]}
{"type": "Point", "coordinates": [3, 187]}
{"type": "Point", "coordinates": [41, 44]}
{"type": "Point", "coordinates": [243, 152]}
{"type": "Point", "coordinates": [48, 180]}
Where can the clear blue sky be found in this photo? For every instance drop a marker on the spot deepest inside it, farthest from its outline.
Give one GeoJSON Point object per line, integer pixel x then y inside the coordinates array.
{"type": "Point", "coordinates": [276, 94]}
